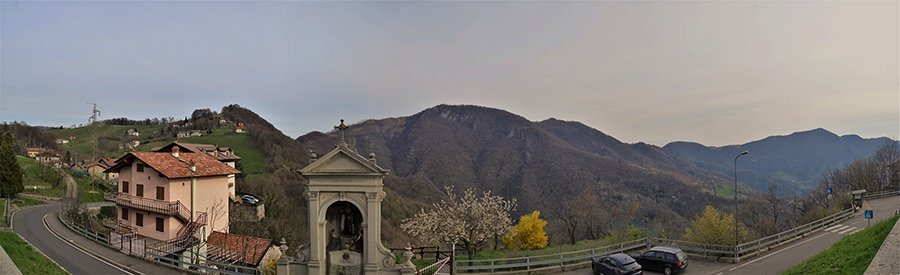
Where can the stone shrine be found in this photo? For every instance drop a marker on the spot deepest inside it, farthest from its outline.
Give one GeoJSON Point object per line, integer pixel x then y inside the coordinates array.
{"type": "Point", "coordinates": [344, 194]}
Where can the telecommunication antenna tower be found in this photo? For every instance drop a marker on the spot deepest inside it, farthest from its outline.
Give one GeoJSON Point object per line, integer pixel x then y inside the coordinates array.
{"type": "Point", "coordinates": [93, 120]}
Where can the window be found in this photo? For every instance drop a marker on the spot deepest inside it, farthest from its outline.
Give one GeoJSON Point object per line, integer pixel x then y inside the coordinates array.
{"type": "Point", "coordinates": [159, 224]}
{"type": "Point", "coordinates": [124, 187]}
{"type": "Point", "coordinates": [670, 256]}
{"type": "Point", "coordinates": [125, 214]}
{"type": "Point", "coordinates": [140, 190]}
{"type": "Point", "coordinates": [140, 167]}
{"type": "Point", "coordinates": [138, 219]}
{"type": "Point", "coordinates": [160, 193]}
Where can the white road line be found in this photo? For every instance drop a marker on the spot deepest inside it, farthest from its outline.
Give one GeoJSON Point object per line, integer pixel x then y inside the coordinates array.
{"type": "Point", "coordinates": [779, 251]}
{"type": "Point", "coordinates": [77, 248]}
{"type": "Point", "coordinates": [854, 223]}
{"type": "Point", "coordinates": [836, 228]}
{"type": "Point", "coordinates": [854, 231]}
{"type": "Point", "coordinates": [846, 230]}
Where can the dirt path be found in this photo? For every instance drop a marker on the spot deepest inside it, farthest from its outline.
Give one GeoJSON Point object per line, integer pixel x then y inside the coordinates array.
{"type": "Point", "coordinates": [71, 185]}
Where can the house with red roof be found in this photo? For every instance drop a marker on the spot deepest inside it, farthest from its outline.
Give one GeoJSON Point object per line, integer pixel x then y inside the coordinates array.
{"type": "Point", "coordinates": [171, 199]}
{"type": "Point", "coordinates": [224, 154]}
{"type": "Point", "coordinates": [241, 250]}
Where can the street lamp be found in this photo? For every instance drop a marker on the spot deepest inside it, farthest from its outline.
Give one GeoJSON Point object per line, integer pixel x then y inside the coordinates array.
{"type": "Point", "coordinates": [735, 198]}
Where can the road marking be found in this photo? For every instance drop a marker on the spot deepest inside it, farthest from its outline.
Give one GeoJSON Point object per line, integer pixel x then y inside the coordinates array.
{"type": "Point", "coordinates": [836, 228]}
{"type": "Point", "coordinates": [43, 220]}
{"type": "Point", "coordinates": [854, 231]}
{"type": "Point", "coordinates": [846, 230]}
{"type": "Point", "coordinates": [855, 222]}
{"type": "Point", "coordinates": [779, 251]}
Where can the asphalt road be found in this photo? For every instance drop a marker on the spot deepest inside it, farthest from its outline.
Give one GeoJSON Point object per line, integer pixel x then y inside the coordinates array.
{"type": "Point", "coordinates": [786, 256]}
{"type": "Point", "coordinates": [29, 223]}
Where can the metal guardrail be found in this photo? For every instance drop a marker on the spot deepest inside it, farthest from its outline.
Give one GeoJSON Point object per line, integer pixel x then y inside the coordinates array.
{"type": "Point", "coordinates": [883, 193]}
{"type": "Point", "coordinates": [755, 245]}
{"type": "Point", "coordinates": [574, 257]}
{"type": "Point", "coordinates": [541, 261]}
{"type": "Point", "coordinates": [97, 237]}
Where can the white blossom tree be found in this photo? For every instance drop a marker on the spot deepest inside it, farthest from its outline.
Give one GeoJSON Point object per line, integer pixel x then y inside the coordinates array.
{"type": "Point", "coordinates": [468, 220]}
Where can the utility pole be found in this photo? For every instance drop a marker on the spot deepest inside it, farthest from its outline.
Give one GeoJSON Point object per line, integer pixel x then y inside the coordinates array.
{"type": "Point", "coordinates": [93, 120]}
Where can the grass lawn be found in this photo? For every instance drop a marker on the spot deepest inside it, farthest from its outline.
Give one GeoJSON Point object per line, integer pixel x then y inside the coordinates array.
{"type": "Point", "coordinates": [27, 202]}
{"type": "Point", "coordinates": [244, 147]}
{"type": "Point", "coordinates": [851, 255]}
{"type": "Point", "coordinates": [26, 258]}
{"type": "Point", "coordinates": [88, 193]}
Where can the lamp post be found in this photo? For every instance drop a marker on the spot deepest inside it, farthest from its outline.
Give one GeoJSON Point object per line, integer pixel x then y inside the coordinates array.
{"type": "Point", "coordinates": [735, 200]}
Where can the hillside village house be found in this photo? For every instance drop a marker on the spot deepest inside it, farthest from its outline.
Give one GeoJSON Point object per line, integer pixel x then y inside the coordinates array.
{"type": "Point", "coordinates": [222, 154]}
{"type": "Point", "coordinates": [154, 198]}
{"type": "Point", "coordinates": [48, 157]}
{"type": "Point", "coordinates": [33, 152]}
{"type": "Point", "coordinates": [111, 177]}
{"type": "Point", "coordinates": [242, 250]}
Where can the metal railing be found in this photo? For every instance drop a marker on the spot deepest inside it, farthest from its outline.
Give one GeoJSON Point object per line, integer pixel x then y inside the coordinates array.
{"type": "Point", "coordinates": [170, 208]}
{"type": "Point", "coordinates": [883, 193]}
{"type": "Point", "coordinates": [91, 234]}
{"type": "Point", "coordinates": [434, 268]}
{"type": "Point", "coordinates": [581, 256]}
{"type": "Point", "coordinates": [552, 260]}
{"type": "Point", "coordinates": [755, 245]}
{"type": "Point", "coordinates": [183, 240]}
{"type": "Point", "coordinates": [201, 264]}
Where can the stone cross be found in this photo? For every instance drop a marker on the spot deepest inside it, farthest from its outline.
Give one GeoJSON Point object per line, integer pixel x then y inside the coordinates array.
{"type": "Point", "coordinates": [342, 127]}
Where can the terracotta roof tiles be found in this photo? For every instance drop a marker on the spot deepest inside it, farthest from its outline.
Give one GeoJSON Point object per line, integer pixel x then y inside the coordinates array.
{"type": "Point", "coordinates": [252, 248]}
{"type": "Point", "coordinates": [174, 168]}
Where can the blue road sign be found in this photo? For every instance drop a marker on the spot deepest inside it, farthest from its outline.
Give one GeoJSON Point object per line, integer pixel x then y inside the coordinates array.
{"type": "Point", "coordinates": [827, 190]}
{"type": "Point", "coordinates": [868, 214]}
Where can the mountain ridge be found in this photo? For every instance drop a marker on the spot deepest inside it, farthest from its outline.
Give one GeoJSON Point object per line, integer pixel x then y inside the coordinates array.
{"type": "Point", "coordinates": [796, 160]}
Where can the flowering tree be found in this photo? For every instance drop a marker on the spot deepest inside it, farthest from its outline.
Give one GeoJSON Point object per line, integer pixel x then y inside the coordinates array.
{"type": "Point", "coordinates": [467, 220]}
{"type": "Point", "coordinates": [528, 234]}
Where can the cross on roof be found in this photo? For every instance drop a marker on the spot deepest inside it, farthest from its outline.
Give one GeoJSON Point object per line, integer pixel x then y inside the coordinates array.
{"type": "Point", "coordinates": [342, 127]}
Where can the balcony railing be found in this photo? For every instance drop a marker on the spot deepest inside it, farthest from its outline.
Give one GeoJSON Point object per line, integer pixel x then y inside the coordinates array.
{"type": "Point", "coordinates": [170, 208]}
{"type": "Point", "coordinates": [186, 238]}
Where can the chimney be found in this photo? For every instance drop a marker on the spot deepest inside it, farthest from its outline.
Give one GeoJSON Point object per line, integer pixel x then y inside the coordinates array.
{"type": "Point", "coordinates": [175, 151]}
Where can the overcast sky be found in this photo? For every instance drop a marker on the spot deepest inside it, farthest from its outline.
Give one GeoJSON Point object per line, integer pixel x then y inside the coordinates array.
{"type": "Point", "coordinates": [717, 73]}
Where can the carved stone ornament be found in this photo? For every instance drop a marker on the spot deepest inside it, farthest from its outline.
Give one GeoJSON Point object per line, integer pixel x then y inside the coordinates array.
{"type": "Point", "coordinates": [312, 195]}
{"type": "Point", "coordinates": [303, 253]}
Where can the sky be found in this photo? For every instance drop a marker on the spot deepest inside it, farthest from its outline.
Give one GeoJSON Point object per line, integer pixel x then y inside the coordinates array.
{"type": "Point", "coordinates": [714, 72]}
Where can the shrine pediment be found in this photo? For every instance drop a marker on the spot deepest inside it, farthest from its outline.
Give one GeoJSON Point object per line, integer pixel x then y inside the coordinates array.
{"type": "Point", "coordinates": [342, 161]}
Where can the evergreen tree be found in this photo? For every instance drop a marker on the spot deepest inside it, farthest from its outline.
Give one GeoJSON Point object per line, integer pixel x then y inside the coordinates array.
{"type": "Point", "coordinates": [11, 173]}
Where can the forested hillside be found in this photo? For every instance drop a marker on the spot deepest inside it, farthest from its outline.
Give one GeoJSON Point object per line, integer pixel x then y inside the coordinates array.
{"type": "Point", "coordinates": [541, 164]}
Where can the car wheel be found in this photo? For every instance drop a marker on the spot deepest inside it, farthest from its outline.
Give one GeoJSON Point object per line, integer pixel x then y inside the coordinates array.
{"type": "Point", "coordinates": [667, 271]}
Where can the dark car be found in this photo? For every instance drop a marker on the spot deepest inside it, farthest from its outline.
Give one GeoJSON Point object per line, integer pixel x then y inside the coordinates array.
{"type": "Point", "coordinates": [618, 264]}
{"type": "Point", "coordinates": [666, 259]}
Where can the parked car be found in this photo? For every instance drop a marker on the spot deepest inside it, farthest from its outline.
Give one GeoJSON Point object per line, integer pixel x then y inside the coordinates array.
{"type": "Point", "coordinates": [618, 264]}
{"type": "Point", "coordinates": [662, 258]}
{"type": "Point", "coordinates": [248, 199]}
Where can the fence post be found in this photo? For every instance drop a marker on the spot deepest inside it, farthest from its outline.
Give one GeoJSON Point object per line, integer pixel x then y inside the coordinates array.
{"type": "Point", "coordinates": [528, 263]}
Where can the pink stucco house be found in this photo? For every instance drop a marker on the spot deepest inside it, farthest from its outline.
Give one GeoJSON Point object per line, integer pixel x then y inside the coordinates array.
{"type": "Point", "coordinates": [154, 197]}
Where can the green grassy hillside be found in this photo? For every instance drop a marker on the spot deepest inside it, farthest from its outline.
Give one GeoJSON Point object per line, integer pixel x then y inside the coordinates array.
{"type": "Point", "coordinates": [252, 157]}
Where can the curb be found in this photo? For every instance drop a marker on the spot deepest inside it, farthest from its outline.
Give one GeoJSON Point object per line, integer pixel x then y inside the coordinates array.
{"type": "Point", "coordinates": [11, 229]}
{"type": "Point", "coordinates": [92, 253]}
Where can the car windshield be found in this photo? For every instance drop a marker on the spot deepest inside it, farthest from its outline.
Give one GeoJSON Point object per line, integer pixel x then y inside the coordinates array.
{"type": "Point", "coordinates": [681, 255]}
{"type": "Point", "coordinates": [631, 266]}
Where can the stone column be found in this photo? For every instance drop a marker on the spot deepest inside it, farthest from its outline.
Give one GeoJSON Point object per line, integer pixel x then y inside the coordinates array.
{"type": "Point", "coordinates": [373, 229]}
{"type": "Point", "coordinates": [316, 255]}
